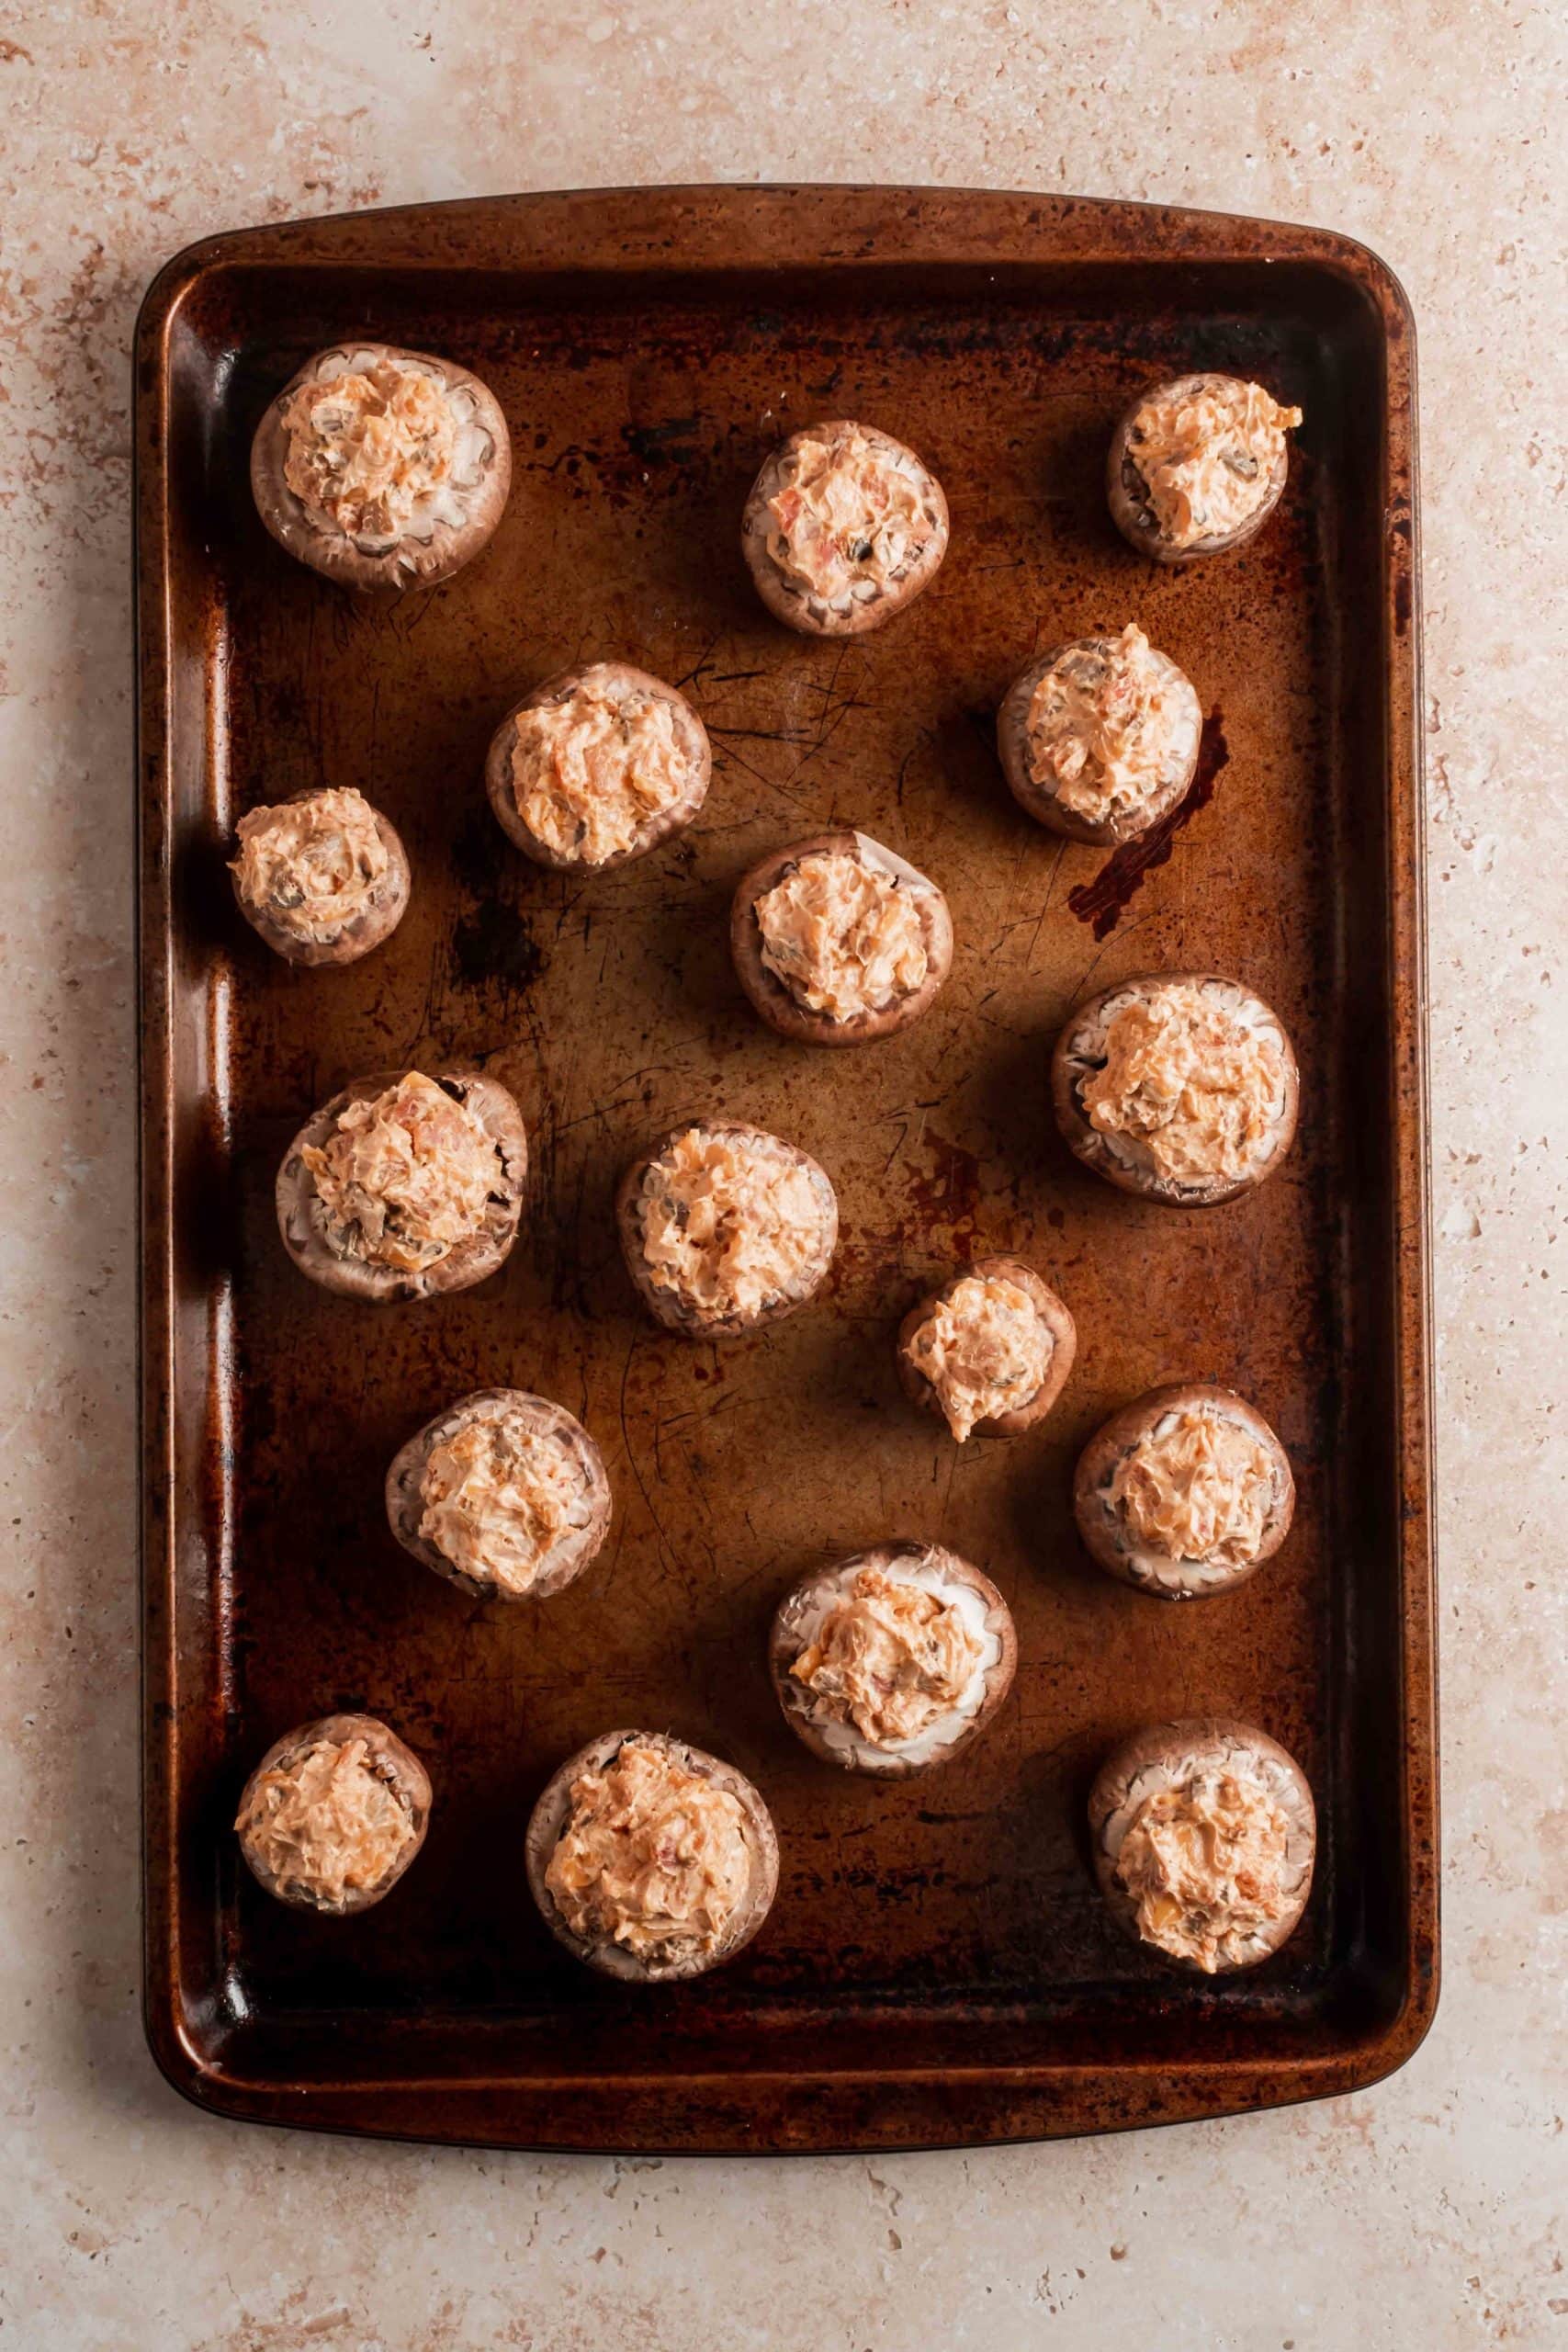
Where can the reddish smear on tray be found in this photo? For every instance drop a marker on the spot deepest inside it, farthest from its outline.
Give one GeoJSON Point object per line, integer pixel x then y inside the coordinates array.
{"type": "Point", "coordinates": [1102, 901]}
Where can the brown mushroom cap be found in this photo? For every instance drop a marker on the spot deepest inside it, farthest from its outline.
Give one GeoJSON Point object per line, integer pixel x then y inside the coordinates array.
{"type": "Point", "coordinates": [303, 1228]}
{"type": "Point", "coordinates": [611, 677]}
{"type": "Point", "coordinates": [409, 562]}
{"type": "Point", "coordinates": [851, 615]}
{"type": "Point", "coordinates": [376, 919]}
{"type": "Point", "coordinates": [1167, 1754]}
{"type": "Point", "coordinates": [1104, 1530]}
{"type": "Point", "coordinates": [777, 1004]}
{"type": "Point", "coordinates": [394, 1763]}
{"type": "Point", "coordinates": [1128, 492]}
{"type": "Point", "coordinates": [840, 1744]}
{"type": "Point", "coordinates": [550, 1818]}
{"type": "Point", "coordinates": [536, 1418]}
{"type": "Point", "coordinates": [1039, 801]}
{"type": "Point", "coordinates": [1077, 1055]}
{"type": "Point", "coordinates": [676, 1313]}
{"type": "Point", "coordinates": [1053, 1312]}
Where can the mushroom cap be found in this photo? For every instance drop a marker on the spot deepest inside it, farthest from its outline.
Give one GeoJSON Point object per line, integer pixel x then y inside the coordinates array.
{"type": "Point", "coordinates": [1075, 1057]}
{"type": "Point", "coordinates": [796, 607]}
{"type": "Point", "coordinates": [1105, 1532]}
{"type": "Point", "coordinates": [549, 1817]}
{"type": "Point", "coordinates": [536, 1417]}
{"type": "Point", "coordinates": [1128, 494]}
{"type": "Point", "coordinates": [300, 1222]}
{"type": "Point", "coordinates": [930, 1563]}
{"type": "Point", "coordinates": [778, 1004]}
{"type": "Point", "coordinates": [407, 562]}
{"type": "Point", "coordinates": [1165, 1755]}
{"type": "Point", "coordinates": [1038, 801]}
{"type": "Point", "coordinates": [1054, 1313]}
{"type": "Point", "coordinates": [401, 1767]}
{"type": "Point", "coordinates": [615, 677]}
{"type": "Point", "coordinates": [376, 919]}
{"type": "Point", "coordinates": [674, 1312]}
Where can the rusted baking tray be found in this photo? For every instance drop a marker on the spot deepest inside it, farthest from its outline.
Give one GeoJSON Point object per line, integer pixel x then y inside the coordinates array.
{"type": "Point", "coordinates": [938, 1969]}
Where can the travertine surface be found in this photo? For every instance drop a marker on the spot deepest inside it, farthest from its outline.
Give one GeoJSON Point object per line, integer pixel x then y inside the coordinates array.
{"type": "Point", "coordinates": [1426, 2212]}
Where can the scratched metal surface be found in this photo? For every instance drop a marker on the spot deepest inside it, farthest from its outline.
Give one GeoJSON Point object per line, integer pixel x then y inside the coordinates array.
{"type": "Point", "coordinates": [947, 1908]}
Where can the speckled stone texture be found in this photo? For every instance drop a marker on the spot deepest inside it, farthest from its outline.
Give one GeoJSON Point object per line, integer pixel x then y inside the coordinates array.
{"type": "Point", "coordinates": [1428, 2212]}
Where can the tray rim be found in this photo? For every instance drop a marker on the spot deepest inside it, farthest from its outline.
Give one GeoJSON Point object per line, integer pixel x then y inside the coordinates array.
{"type": "Point", "coordinates": [714, 227]}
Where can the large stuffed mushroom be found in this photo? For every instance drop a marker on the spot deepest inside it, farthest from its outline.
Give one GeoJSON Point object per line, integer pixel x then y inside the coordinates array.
{"type": "Point", "coordinates": [382, 469]}
{"type": "Point", "coordinates": [404, 1186]}
{"type": "Point", "coordinates": [505, 1494]}
{"type": "Point", "coordinates": [333, 1814]}
{"type": "Point", "coordinates": [844, 526]}
{"type": "Point", "coordinates": [838, 941]}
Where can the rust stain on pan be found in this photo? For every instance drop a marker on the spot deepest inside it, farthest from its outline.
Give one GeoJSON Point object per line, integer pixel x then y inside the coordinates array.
{"type": "Point", "coordinates": [1102, 903]}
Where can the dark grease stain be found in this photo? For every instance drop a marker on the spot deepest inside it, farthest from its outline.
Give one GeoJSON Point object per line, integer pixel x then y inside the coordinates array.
{"type": "Point", "coordinates": [495, 945]}
{"type": "Point", "coordinates": [662, 443]}
{"type": "Point", "coordinates": [1401, 601]}
{"type": "Point", "coordinates": [1102, 903]}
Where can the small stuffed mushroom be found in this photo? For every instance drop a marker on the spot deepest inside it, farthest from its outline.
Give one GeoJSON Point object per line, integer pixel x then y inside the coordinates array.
{"type": "Point", "coordinates": [1098, 739]}
{"type": "Point", "coordinates": [1197, 464]}
{"type": "Point", "coordinates": [836, 942]}
{"type": "Point", "coordinates": [843, 528]}
{"type": "Point", "coordinates": [650, 1860]}
{"type": "Point", "coordinates": [382, 469]}
{"type": "Point", "coordinates": [1204, 1836]}
{"type": "Point", "coordinates": [597, 766]}
{"type": "Point", "coordinates": [323, 875]}
{"type": "Point", "coordinates": [989, 1352]}
{"type": "Point", "coordinates": [505, 1494]}
{"type": "Point", "coordinates": [725, 1228]}
{"type": "Point", "coordinates": [333, 1814]}
{"type": "Point", "coordinates": [895, 1661]}
{"type": "Point", "coordinates": [404, 1186]}
{"type": "Point", "coordinates": [1180, 1086]}
{"type": "Point", "coordinates": [1184, 1493]}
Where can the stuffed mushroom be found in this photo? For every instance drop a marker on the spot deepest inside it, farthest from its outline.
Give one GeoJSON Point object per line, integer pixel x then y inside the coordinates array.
{"type": "Point", "coordinates": [836, 942]}
{"type": "Point", "coordinates": [650, 1860]}
{"type": "Point", "coordinates": [1098, 739]}
{"type": "Point", "coordinates": [505, 1494]}
{"type": "Point", "coordinates": [404, 1186]}
{"type": "Point", "coordinates": [333, 1814]}
{"type": "Point", "coordinates": [892, 1661]}
{"type": "Point", "coordinates": [725, 1228]}
{"type": "Point", "coordinates": [1204, 1836]}
{"type": "Point", "coordinates": [597, 766]}
{"type": "Point", "coordinates": [1180, 1086]}
{"type": "Point", "coordinates": [843, 528]}
{"type": "Point", "coordinates": [382, 469]}
{"type": "Point", "coordinates": [1197, 464]}
{"type": "Point", "coordinates": [1185, 1492]}
{"type": "Point", "coordinates": [323, 875]}
{"type": "Point", "coordinates": [989, 1351]}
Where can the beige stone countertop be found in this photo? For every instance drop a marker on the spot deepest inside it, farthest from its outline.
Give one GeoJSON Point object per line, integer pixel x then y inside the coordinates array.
{"type": "Point", "coordinates": [1425, 2213]}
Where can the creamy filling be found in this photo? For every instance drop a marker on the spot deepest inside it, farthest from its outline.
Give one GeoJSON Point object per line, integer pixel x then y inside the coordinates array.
{"type": "Point", "coordinates": [312, 865]}
{"type": "Point", "coordinates": [984, 1350]}
{"type": "Point", "coordinates": [405, 1177]}
{"type": "Point", "coordinates": [1192, 1087]}
{"type": "Point", "coordinates": [1108, 724]}
{"type": "Point", "coordinates": [381, 450]}
{"type": "Point", "coordinates": [499, 1501]}
{"type": "Point", "coordinates": [652, 1857]}
{"type": "Point", "coordinates": [1197, 1486]}
{"type": "Point", "coordinates": [1208, 455]}
{"type": "Point", "coordinates": [844, 937]}
{"type": "Point", "coordinates": [890, 1657]}
{"type": "Point", "coordinates": [591, 774]}
{"type": "Point", "coordinates": [847, 519]}
{"type": "Point", "coordinates": [1207, 1864]}
{"type": "Point", "coordinates": [730, 1224]}
{"type": "Point", "coordinates": [326, 1822]}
